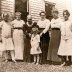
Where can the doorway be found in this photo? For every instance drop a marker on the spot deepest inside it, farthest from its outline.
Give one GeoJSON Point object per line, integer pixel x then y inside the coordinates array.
{"type": "Point", "coordinates": [21, 6]}
{"type": "Point", "coordinates": [48, 8]}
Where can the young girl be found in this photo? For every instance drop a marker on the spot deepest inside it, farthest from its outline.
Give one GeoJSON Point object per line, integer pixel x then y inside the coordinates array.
{"type": "Point", "coordinates": [65, 49]}
{"type": "Point", "coordinates": [7, 37]}
{"type": "Point", "coordinates": [35, 40]}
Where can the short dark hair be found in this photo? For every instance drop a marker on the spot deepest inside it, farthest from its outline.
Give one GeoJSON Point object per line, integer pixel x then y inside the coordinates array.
{"type": "Point", "coordinates": [67, 12]}
{"type": "Point", "coordinates": [35, 25]}
{"type": "Point", "coordinates": [42, 12]}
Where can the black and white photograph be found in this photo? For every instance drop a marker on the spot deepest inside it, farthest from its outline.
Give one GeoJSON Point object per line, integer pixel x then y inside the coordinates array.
{"type": "Point", "coordinates": [35, 35]}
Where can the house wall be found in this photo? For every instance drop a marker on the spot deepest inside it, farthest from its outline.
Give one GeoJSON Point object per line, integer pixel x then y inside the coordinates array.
{"type": "Point", "coordinates": [35, 7]}
{"type": "Point", "coordinates": [62, 5]}
{"type": "Point", "coordinates": [8, 6]}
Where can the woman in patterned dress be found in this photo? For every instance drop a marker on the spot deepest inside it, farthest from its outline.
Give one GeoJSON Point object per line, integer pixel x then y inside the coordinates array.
{"type": "Point", "coordinates": [27, 31]}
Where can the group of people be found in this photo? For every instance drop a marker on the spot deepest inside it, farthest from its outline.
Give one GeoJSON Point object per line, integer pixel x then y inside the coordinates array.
{"type": "Point", "coordinates": [39, 41]}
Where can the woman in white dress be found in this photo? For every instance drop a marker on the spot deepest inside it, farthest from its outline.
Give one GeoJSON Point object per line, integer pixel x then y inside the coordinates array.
{"type": "Point", "coordinates": [18, 36]}
{"type": "Point", "coordinates": [7, 37]}
{"type": "Point", "coordinates": [65, 48]}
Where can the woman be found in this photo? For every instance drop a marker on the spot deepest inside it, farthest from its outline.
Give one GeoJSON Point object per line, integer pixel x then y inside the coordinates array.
{"type": "Point", "coordinates": [44, 25]}
{"type": "Point", "coordinates": [65, 48]}
{"type": "Point", "coordinates": [18, 36]}
{"type": "Point", "coordinates": [27, 31]}
{"type": "Point", "coordinates": [55, 37]}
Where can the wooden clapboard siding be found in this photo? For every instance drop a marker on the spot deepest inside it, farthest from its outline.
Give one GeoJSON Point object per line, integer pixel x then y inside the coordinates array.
{"type": "Point", "coordinates": [8, 6]}
{"type": "Point", "coordinates": [35, 7]}
{"type": "Point", "coordinates": [60, 6]}
{"type": "Point", "coordinates": [0, 6]}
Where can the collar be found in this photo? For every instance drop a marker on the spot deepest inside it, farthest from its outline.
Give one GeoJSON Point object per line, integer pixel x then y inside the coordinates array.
{"type": "Point", "coordinates": [29, 24]}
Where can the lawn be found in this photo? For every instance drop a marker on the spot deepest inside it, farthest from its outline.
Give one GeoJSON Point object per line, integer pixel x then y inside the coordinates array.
{"type": "Point", "coordinates": [29, 67]}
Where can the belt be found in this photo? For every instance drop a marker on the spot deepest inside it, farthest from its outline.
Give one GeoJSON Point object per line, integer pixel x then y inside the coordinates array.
{"type": "Point", "coordinates": [55, 29]}
{"type": "Point", "coordinates": [18, 28]}
{"type": "Point", "coordinates": [41, 28]}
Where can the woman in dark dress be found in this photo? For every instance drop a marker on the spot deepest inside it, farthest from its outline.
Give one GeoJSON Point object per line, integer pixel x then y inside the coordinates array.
{"type": "Point", "coordinates": [55, 38]}
{"type": "Point", "coordinates": [44, 25]}
{"type": "Point", "coordinates": [27, 32]}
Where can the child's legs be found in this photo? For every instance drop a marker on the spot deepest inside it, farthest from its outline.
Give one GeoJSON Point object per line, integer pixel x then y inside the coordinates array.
{"type": "Point", "coordinates": [63, 58]}
{"type": "Point", "coordinates": [35, 57]}
{"type": "Point", "coordinates": [38, 58]}
{"type": "Point", "coordinates": [69, 58]}
{"type": "Point", "coordinates": [12, 54]}
{"type": "Point", "coordinates": [5, 52]}
{"type": "Point", "coordinates": [5, 55]}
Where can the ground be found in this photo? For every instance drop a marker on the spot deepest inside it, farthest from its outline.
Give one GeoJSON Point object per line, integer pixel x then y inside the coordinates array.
{"type": "Point", "coordinates": [29, 67]}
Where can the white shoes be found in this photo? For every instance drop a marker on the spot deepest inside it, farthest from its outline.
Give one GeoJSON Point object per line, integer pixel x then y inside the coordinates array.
{"type": "Point", "coordinates": [37, 63]}
{"type": "Point", "coordinates": [6, 60]}
{"type": "Point", "coordinates": [14, 61]}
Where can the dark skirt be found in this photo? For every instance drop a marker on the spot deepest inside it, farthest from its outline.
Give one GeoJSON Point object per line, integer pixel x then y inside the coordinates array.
{"type": "Point", "coordinates": [54, 45]}
{"type": "Point", "coordinates": [44, 41]}
{"type": "Point", "coordinates": [27, 56]}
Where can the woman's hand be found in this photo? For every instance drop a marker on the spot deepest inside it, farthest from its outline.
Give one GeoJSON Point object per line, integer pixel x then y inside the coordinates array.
{"type": "Point", "coordinates": [41, 33]}
{"type": "Point", "coordinates": [29, 35]}
{"type": "Point", "coordinates": [38, 49]}
{"type": "Point", "coordinates": [49, 33]}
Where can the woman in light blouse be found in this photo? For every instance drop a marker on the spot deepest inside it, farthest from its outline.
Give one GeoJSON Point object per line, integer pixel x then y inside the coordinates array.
{"type": "Point", "coordinates": [55, 37]}
{"type": "Point", "coordinates": [44, 25]}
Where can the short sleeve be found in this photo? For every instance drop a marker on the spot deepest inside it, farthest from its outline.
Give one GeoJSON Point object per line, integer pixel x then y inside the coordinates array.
{"type": "Point", "coordinates": [47, 26]}
{"type": "Point", "coordinates": [22, 22]}
{"type": "Point", "coordinates": [12, 23]}
{"type": "Point", "coordinates": [1, 24]}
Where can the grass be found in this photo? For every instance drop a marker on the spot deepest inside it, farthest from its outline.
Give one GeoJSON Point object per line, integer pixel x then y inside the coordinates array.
{"type": "Point", "coordinates": [29, 67]}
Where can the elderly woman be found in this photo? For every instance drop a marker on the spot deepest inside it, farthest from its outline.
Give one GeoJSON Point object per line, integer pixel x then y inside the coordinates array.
{"type": "Point", "coordinates": [44, 25]}
{"type": "Point", "coordinates": [65, 48]}
{"type": "Point", "coordinates": [18, 36]}
{"type": "Point", "coordinates": [55, 37]}
{"type": "Point", "coordinates": [27, 31]}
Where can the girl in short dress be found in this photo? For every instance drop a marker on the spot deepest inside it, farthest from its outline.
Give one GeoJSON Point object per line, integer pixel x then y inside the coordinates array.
{"type": "Point", "coordinates": [7, 38]}
{"type": "Point", "coordinates": [35, 40]}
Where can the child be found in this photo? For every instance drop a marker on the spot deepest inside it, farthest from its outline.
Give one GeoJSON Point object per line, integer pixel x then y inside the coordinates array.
{"type": "Point", "coordinates": [7, 37]}
{"type": "Point", "coordinates": [35, 40]}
